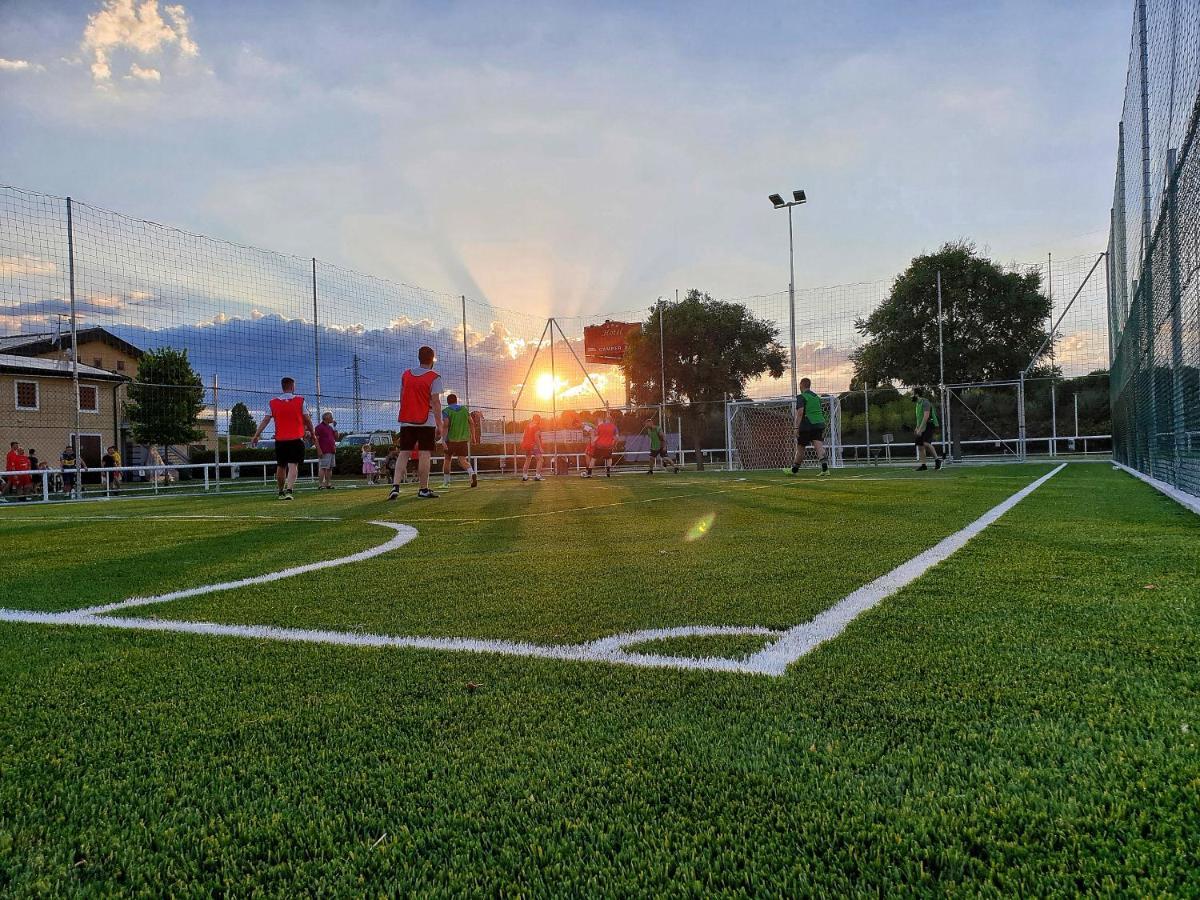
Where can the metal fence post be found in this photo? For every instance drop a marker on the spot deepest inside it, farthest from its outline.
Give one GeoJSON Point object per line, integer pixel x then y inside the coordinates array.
{"type": "Point", "coordinates": [867, 413]}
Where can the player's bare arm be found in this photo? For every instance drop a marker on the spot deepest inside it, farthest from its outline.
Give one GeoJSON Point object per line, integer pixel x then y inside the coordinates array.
{"type": "Point", "coordinates": [261, 427]}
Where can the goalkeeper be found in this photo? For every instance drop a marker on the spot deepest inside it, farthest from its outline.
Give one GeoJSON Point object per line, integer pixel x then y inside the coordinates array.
{"type": "Point", "coordinates": [658, 447]}
{"type": "Point", "coordinates": [458, 432]}
{"type": "Point", "coordinates": [810, 427]}
{"type": "Point", "coordinates": [926, 431]}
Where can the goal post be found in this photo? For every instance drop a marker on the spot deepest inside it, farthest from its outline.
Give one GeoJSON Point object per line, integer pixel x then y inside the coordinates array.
{"type": "Point", "coordinates": [762, 433]}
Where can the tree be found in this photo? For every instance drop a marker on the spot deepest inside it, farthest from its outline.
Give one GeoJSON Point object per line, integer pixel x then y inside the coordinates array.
{"type": "Point", "coordinates": [165, 399]}
{"type": "Point", "coordinates": [711, 349]}
{"type": "Point", "coordinates": [241, 422]}
{"type": "Point", "coordinates": [994, 321]}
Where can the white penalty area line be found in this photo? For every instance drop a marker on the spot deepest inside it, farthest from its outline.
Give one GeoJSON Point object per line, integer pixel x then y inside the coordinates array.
{"type": "Point", "coordinates": [1184, 499]}
{"type": "Point", "coordinates": [772, 660]}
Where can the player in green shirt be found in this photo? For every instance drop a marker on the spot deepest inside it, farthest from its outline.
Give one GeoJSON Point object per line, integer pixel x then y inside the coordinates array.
{"type": "Point", "coordinates": [458, 427]}
{"type": "Point", "coordinates": [925, 432]}
{"type": "Point", "coordinates": [810, 427]}
{"type": "Point", "coordinates": [658, 448]}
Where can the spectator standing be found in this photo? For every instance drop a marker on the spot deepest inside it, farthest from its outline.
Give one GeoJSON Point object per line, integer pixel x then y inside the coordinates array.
{"type": "Point", "coordinates": [325, 435]}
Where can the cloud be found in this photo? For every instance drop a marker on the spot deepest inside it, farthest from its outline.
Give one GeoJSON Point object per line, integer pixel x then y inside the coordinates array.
{"type": "Point", "coordinates": [136, 71]}
{"type": "Point", "coordinates": [138, 28]}
{"type": "Point", "coordinates": [11, 266]}
{"type": "Point", "coordinates": [20, 65]}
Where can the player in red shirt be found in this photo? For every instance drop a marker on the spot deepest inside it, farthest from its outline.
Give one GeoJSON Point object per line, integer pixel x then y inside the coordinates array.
{"type": "Point", "coordinates": [420, 419]}
{"type": "Point", "coordinates": [531, 446]}
{"type": "Point", "coordinates": [292, 426]}
{"type": "Point", "coordinates": [601, 449]}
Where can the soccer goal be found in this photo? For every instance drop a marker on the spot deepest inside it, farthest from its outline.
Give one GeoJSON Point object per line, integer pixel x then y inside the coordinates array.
{"type": "Point", "coordinates": [761, 434]}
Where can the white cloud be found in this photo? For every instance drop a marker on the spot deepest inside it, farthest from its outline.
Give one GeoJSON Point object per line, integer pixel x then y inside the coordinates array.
{"type": "Point", "coordinates": [144, 74]}
{"type": "Point", "coordinates": [26, 265]}
{"type": "Point", "coordinates": [137, 28]}
{"type": "Point", "coordinates": [19, 65]}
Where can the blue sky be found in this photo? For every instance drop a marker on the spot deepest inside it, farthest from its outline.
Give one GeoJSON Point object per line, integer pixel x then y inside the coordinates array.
{"type": "Point", "coordinates": [578, 158]}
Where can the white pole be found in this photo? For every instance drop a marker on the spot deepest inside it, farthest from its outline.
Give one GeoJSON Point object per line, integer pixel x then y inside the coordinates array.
{"type": "Point", "coordinates": [217, 435]}
{"type": "Point", "coordinates": [1077, 417]}
{"type": "Point", "coordinates": [867, 412]}
{"type": "Point", "coordinates": [77, 490]}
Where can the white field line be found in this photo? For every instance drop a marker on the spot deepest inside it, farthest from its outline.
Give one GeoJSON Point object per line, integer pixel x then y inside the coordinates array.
{"type": "Point", "coordinates": [1183, 498]}
{"type": "Point", "coordinates": [802, 639]}
{"type": "Point", "coordinates": [202, 516]}
{"type": "Point", "coordinates": [404, 534]}
{"type": "Point", "coordinates": [773, 660]}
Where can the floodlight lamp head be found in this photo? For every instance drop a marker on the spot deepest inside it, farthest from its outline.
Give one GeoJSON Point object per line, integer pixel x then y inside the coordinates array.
{"type": "Point", "coordinates": [776, 200]}
{"type": "Point", "coordinates": [799, 197]}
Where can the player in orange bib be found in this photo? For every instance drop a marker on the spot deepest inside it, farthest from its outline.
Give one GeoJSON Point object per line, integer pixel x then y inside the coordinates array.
{"type": "Point", "coordinates": [531, 446]}
{"type": "Point", "coordinates": [601, 449]}
{"type": "Point", "coordinates": [292, 426]}
{"type": "Point", "coordinates": [420, 419]}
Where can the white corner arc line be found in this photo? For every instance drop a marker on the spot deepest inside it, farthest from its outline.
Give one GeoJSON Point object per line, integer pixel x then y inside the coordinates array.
{"type": "Point", "coordinates": [803, 639]}
{"type": "Point", "coordinates": [773, 660]}
{"type": "Point", "coordinates": [404, 534]}
{"type": "Point", "coordinates": [1184, 499]}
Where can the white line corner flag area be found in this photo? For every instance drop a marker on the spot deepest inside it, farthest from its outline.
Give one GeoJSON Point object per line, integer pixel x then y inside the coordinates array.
{"type": "Point", "coordinates": [773, 660]}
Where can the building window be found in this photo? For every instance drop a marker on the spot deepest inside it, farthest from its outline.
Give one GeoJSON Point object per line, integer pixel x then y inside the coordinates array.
{"type": "Point", "coordinates": [27, 394]}
{"type": "Point", "coordinates": [89, 398]}
{"type": "Point", "coordinates": [98, 362]}
{"type": "Point", "coordinates": [120, 365]}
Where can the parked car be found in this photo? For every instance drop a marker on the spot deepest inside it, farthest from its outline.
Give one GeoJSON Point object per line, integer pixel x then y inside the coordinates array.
{"type": "Point", "coordinates": [375, 438]}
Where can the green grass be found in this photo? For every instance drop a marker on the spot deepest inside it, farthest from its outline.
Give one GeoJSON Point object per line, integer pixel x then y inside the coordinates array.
{"type": "Point", "coordinates": [1023, 719]}
{"type": "Point", "coordinates": [728, 646]}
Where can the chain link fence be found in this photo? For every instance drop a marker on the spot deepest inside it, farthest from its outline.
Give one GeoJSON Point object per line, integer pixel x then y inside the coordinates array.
{"type": "Point", "coordinates": [1154, 250]}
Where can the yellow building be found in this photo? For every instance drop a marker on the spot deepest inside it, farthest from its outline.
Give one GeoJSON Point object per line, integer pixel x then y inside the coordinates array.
{"type": "Point", "coordinates": [37, 408]}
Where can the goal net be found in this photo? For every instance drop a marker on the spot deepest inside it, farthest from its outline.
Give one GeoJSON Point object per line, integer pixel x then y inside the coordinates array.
{"type": "Point", "coordinates": [762, 433]}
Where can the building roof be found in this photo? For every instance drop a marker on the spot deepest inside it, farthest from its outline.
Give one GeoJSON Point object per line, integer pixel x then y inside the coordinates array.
{"type": "Point", "coordinates": [48, 341]}
{"type": "Point", "coordinates": [52, 368]}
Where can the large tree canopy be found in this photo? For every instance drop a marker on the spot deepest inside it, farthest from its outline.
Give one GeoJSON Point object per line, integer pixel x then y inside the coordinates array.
{"type": "Point", "coordinates": [711, 347]}
{"type": "Point", "coordinates": [993, 322]}
{"type": "Point", "coordinates": [165, 399]}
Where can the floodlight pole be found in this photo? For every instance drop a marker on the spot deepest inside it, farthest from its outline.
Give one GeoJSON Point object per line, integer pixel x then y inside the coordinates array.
{"type": "Point", "coordinates": [792, 303]}
{"type": "Point", "coordinates": [778, 202]}
{"type": "Point", "coordinates": [662, 368]}
{"type": "Point", "coordinates": [316, 339]}
{"type": "Point", "coordinates": [942, 363]}
{"type": "Point", "coordinates": [554, 392]}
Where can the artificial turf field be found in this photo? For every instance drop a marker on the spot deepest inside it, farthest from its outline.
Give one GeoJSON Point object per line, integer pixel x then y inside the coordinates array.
{"type": "Point", "coordinates": [1020, 719]}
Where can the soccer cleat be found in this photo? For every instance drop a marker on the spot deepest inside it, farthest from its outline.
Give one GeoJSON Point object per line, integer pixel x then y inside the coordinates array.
{"type": "Point", "coordinates": [524, 477]}
{"type": "Point", "coordinates": [395, 492]}
{"type": "Point", "coordinates": [795, 470]}
{"type": "Point", "coordinates": [426, 494]}
{"type": "Point", "coordinates": [288, 495]}
{"type": "Point", "coordinates": [649, 471]}
{"type": "Point", "coordinates": [474, 480]}
{"type": "Point", "coordinates": [537, 477]}
{"type": "Point", "coordinates": [607, 472]}
{"type": "Point", "coordinates": [282, 495]}
{"type": "Point", "coordinates": [585, 474]}
{"type": "Point", "coordinates": [922, 468]}
{"type": "Point", "coordinates": [937, 464]}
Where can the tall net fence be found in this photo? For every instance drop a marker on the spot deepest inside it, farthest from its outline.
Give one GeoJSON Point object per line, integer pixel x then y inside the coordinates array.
{"type": "Point", "coordinates": [120, 287]}
{"type": "Point", "coordinates": [1154, 250]}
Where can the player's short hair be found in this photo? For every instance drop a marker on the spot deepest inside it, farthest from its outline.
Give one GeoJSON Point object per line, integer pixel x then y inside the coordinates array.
{"type": "Point", "coordinates": [287, 383]}
{"type": "Point", "coordinates": [426, 356]}
{"type": "Point", "coordinates": [452, 398]}
{"type": "Point", "coordinates": [13, 444]}
{"type": "Point", "coordinates": [805, 384]}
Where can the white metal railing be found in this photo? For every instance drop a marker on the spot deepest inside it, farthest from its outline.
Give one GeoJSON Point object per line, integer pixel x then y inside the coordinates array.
{"type": "Point", "coordinates": [48, 485]}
